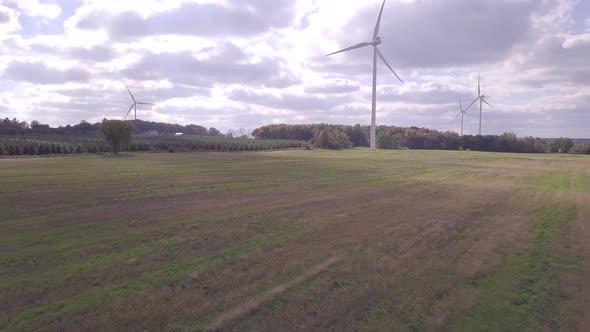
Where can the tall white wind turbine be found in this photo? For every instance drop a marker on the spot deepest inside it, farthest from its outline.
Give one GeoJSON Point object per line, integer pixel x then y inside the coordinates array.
{"type": "Point", "coordinates": [462, 112]}
{"type": "Point", "coordinates": [134, 105]}
{"type": "Point", "coordinates": [376, 53]}
{"type": "Point", "coordinates": [482, 99]}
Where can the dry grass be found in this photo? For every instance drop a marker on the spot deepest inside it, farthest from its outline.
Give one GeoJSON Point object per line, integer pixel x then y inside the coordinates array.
{"type": "Point", "coordinates": [240, 240]}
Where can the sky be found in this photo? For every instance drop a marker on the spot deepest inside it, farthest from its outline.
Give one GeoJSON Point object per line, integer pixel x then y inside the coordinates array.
{"type": "Point", "coordinates": [235, 64]}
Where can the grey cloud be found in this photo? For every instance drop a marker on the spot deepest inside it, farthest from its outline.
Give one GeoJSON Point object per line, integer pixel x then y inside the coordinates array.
{"type": "Point", "coordinates": [445, 33]}
{"type": "Point", "coordinates": [10, 46]}
{"type": "Point", "coordinates": [40, 73]}
{"type": "Point", "coordinates": [176, 91]}
{"type": "Point", "coordinates": [146, 94]}
{"type": "Point", "coordinates": [361, 67]}
{"type": "Point", "coordinates": [97, 53]}
{"type": "Point", "coordinates": [4, 17]}
{"type": "Point", "coordinates": [93, 104]}
{"type": "Point", "coordinates": [567, 51]}
{"type": "Point", "coordinates": [94, 20]}
{"type": "Point", "coordinates": [229, 66]}
{"type": "Point", "coordinates": [238, 18]}
{"type": "Point", "coordinates": [130, 24]}
{"type": "Point", "coordinates": [93, 54]}
{"type": "Point", "coordinates": [542, 123]}
{"type": "Point", "coordinates": [96, 102]}
{"type": "Point", "coordinates": [425, 95]}
{"type": "Point", "coordinates": [306, 102]}
{"type": "Point", "coordinates": [336, 86]}
{"type": "Point", "coordinates": [558, 60]}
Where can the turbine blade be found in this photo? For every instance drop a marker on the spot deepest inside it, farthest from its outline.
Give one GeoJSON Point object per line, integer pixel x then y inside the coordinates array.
{"type": "Point", "coordinates": [140, 103]}
{"type": "Point", "coordinates": [354, 47]}
{"type": "Point", "coordinates": [387, 64]}
{"type": "Point", "coordinates": [487, 103]}
{"type": "Point", "coordinates": [456, 117]}
{"type": "Point", "coordinates": [460, 104]}
{"type": "Point", "coordinates": [130, 108]}
{"type": "Point", "coordinates": [473, 102]}
{"type": "Point", "coordinates": [129, 92]}
{"type": "Point", "coordinates": [467, 113]}
{"type": "Point", "coordinates": [376, 32]}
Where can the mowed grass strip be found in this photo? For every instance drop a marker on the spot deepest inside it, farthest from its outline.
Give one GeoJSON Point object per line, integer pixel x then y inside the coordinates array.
{"type": "Point", "coordinates": [565, 181]}
{"type": "Point", "coordinates": [511, 298]}
{"type": "Point", "coordinates": [34, 318]}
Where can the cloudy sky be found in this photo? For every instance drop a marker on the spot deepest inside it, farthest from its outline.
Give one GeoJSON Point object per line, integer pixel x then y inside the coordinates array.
{"type": "Point", "coordinates": [244, 63]}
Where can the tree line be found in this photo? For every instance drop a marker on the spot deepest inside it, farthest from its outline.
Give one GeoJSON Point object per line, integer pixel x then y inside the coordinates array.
{"type": "Point", "coordinates": [16, 127]}
{"type": "Point", "coordinates": [391, 137]}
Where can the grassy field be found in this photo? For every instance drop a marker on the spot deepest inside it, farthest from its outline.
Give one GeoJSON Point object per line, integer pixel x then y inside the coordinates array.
{"type": "Point", "coordinates": [296, 240]}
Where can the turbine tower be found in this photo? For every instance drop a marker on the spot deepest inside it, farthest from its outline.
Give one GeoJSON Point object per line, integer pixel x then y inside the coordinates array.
{"type": "Point", "coordinates": [482, 99]}
{"type": "Point", "coordinates": [134, 105]}
{"type": "Point", "coordinates": [376, 53]}
{"type": "Point", "coordinates": [462, 112]}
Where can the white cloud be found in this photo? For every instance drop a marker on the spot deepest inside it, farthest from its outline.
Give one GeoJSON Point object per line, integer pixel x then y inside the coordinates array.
{"type": "Point", "coordinates": [8, 20]}
{"type": "Point", "coordinates": [37, 8]}
{"type": "Point", "coordinates": [246, 63]}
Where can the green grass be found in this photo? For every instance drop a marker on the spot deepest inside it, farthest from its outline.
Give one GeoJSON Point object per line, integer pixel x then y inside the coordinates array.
{"type": "Point", "coordinates": [91, 300]}
{"type": "Point", "coordinates": [511, 298]}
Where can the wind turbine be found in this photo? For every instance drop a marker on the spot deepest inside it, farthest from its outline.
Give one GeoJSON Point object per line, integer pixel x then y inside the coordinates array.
{"type": "Point", "coordinates": [462, 112]}
{"type": "Point", "coordinates": [482, 99]}
{"type": "Point", "coordinates": [134, 105]}
{"type": "Point", "coordinates": [376, 53]}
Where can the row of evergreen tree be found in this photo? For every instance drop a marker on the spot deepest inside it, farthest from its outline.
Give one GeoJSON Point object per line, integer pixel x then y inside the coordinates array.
{"type": "Point", "coordinates": [19, 147]}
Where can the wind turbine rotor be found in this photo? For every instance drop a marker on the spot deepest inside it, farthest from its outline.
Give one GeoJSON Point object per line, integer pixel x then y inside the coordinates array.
{"type": "Point", "coordinates": [130, 108]}
{"type": "Point", "coordinates": [354, 47]}
{"type": "Point", "coordinates": [376, 32]}
{"type": "Point", "coordinates": [129, 92]}
{"type": "Point", "coordinates": [455, 119]}
{"type": "Point", "coordinates": [473, 102]}
{"type": "Point", "coordinates": [387, 64]}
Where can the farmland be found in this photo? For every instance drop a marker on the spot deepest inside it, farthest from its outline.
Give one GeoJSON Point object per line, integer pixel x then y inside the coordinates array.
{"type": "Point", "coordinates": [295, 240]}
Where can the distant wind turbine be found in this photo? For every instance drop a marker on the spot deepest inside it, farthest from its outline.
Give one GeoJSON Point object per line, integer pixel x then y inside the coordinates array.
{"type": "Point", "coordinates": [482, 99]}
{"type": "Point", "coordinates": [462, 112]}
{"type": "Point", "coordinates": [376, 53]}
{"type": "Point", "coordinates": [134, 105]}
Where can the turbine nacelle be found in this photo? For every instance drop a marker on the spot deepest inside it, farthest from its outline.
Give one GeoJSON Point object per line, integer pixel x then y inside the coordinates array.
{"type": "Point", "coordinates": [483, 96]}
{"type": "Point", "coordinates": [376, 42]}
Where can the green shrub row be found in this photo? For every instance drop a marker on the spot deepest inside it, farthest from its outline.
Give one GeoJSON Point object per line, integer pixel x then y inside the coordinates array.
{"type": "Point", "coordinates": [17, 146]}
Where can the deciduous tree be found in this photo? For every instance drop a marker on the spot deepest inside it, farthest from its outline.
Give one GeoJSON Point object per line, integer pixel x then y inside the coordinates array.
{"type": "Point", "coordinates": [116, 133]}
